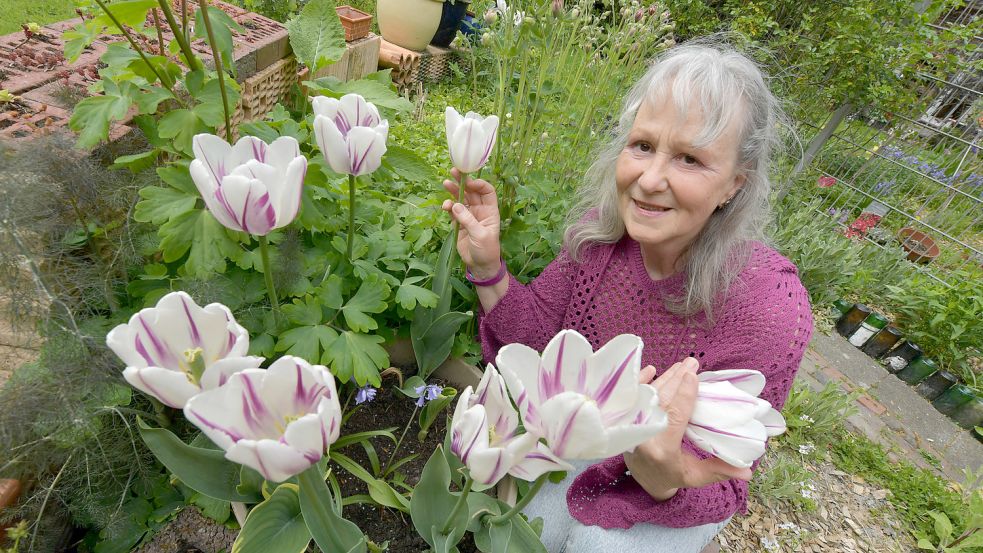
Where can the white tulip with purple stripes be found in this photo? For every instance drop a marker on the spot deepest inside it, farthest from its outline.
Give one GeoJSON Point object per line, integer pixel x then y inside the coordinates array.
{"type": "Point", "coordinates": [350, 133]}
{"type": "Point", "coordinates": [278, 421]}
{"type": "Point", "coordinates": [730, 421]}
{"type": "Point", "coordinates": [586, 404]}
{"type": "Point", "coordinates": [176, 349]}
{"type": "Point", "coordinates": [470, 139]}
{"type": "Point", "coordinates": [253, 186]}
{"type": "Point", "coordinates": [485, 435]}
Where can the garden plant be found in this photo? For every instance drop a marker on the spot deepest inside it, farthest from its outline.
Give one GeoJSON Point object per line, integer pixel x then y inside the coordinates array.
{"type": "Point", "coordinates": [250, 282]}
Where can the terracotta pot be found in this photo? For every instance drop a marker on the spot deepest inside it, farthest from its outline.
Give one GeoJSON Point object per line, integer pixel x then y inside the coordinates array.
{"type": "Point", "coordinates": [409, 23]}
{"type": "Point", "coordinates": [356, 23]}
{"type": "Point", "coordinates": [921, 247]}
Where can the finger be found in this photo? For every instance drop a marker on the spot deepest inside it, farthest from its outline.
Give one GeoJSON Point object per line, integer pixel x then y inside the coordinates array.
{"type": "Point", "coordinates": [480, 191]}
{"type": "Point", "coordinates": [667, 383]}
{"type": "Point", "coordinates": [680, 408]}
{"type": "Point", "coordinates": [467, 221]}
{"type": "Point", "coordinates": [451, 187]}
{"type": "Point", "coordinates": [701, 472]}
{"type": "Point", "coordinates": [646, 375]}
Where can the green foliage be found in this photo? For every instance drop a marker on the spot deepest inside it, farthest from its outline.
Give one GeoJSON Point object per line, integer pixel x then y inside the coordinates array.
{"type": "Point", "coordinates": [816, 417]}
{"type": "Point", "coordinates": [331, 532]}
{"type": "Point", "coordinates": [781, 477]}
{"type": "Point", "coordinates": [943, 320]}
{"type": "Point", "coordinates": [316, 35]}
{"type": "Point", "coordinates": [276, 524]}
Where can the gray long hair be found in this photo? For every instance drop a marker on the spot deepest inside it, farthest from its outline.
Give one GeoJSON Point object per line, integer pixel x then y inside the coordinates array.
{"type": "Point", "coordinates": [727, 85]}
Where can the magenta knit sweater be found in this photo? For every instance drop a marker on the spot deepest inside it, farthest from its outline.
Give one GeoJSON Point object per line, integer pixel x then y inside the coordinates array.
{"type": "Point", "coordinates": [765, 325]}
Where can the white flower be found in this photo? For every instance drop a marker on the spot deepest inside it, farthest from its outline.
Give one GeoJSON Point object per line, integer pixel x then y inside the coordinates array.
{"type": "Point", "coordinates": [176, 349]}
{"type": "Point", "coordinates": [586, 404]}
{"type": "Point", "coordinates": [350, 133]}
{"type": "Point", "coordinates": [769, 543]}
{"type": "Point", "coordinates": [807, 418]}
{"type": "Point", "coordinates": [729, 420]}
{"type": "Point", "coordinates": [470, 138]}
{"type": "Point", "coordinates": [807, 448]}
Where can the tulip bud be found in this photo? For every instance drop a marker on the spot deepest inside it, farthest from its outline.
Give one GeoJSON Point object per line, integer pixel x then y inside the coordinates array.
{"type": "Point", "coordinates": [491, 16]}
{"type": "Point", "coordinates": [544, 136]}
{"type": "Point", "coordinates": [470, 139]}
{"type": "Point", "coordinates": [486, 39]}
{"type": "Point", "coordinates": [575, 13]}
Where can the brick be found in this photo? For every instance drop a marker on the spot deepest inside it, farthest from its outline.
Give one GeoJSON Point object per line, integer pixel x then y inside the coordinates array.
{"type": "Point", "coordinates": [871, 404]}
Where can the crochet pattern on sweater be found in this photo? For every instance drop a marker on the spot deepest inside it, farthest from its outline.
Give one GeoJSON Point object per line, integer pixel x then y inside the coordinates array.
{"type": "Point", "coordinates": [764, 324]}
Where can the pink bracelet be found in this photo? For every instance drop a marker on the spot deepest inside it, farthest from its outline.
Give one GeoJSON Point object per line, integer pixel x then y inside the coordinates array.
{"type": "Point", "coordinates": [502, 271]}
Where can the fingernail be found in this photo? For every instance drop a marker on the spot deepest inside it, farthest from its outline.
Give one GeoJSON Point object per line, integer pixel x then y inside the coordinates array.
{"type": "Point", "coordinates": [458, 208]}
{"type": "Point", "coordinates": [691, 363]}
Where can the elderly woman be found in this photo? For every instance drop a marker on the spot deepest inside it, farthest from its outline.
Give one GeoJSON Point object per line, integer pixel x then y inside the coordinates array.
{"type": "Point", "coordinates": [666, 245]}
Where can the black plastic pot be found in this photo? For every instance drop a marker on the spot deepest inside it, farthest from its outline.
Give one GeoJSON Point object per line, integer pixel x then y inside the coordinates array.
{"type": "Point", "coordinates": [450, 22]}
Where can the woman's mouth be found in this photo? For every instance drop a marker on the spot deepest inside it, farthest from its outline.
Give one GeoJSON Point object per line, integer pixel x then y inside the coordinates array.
{"type": "Point", "coordinates": [650, 210]}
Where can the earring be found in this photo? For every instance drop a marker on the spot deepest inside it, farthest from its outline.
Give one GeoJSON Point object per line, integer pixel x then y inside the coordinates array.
{"type": "Point", "coordinates": [725, 204]}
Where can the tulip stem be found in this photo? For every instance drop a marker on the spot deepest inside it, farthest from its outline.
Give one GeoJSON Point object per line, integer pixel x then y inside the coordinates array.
{"type": "Point", "coordinates": [455, 229]}
{"type": "Point", "coordinates": [522, 502]}
{"type": "Point", "coordinates": [264, 252]}
{"type": "Point", "coordinates": [462, 502]}
{"type": "Point", "coordinates": [218, 67]}
{"type": "Point", "coordinates": [351, 216]}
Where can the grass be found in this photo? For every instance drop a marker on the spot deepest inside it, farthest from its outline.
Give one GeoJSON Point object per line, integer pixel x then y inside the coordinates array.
{"type": "Point", "coordinates": [16, 12]}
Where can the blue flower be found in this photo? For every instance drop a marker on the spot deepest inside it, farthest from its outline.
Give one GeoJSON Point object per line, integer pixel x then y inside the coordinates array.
{"type": "Point", "coordinates": [427, 392]}
{"type": "Point", "coordinates": [365, 393]}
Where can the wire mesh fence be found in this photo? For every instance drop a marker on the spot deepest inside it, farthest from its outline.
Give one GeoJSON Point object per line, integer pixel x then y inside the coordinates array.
{"type": "Point", "coordinates": [911, 182]}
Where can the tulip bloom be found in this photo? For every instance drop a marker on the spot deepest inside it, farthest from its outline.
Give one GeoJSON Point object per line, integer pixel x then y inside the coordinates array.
{"type": "Point", "coordinates": [176, 349]}
{"type": "Point", "coordinates": [350, 133]}
{"type": "Point", "coordinates": [278, 421]}
{"type": "Point", "coordinates": [470, 138]}
{"type": "Point", "coordinates": [485, 435]}
{"type": "Point", "coordinates": [587, 405]}
{"type": "Point", "coordinates": [252, 187]}
{"type": "Point", "coordinates": [730, 421]}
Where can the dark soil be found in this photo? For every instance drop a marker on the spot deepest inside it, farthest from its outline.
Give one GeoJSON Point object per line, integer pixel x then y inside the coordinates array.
{"type": "Point", "coordinates": [390, 409]}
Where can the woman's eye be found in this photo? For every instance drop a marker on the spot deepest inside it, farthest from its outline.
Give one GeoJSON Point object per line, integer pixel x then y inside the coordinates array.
{"type": "Point", "coordinates": [644, 147]}
{"type": "Point", "coordinates": [690, 160]}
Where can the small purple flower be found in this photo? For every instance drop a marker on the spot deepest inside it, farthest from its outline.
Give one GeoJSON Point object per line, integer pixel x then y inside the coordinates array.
{"type": "Point", "coordinates": [883, 187]}
{"type": "Point", "coordinates": [365, 394]}
{"type": "Point", "coordinates": [427, 392]}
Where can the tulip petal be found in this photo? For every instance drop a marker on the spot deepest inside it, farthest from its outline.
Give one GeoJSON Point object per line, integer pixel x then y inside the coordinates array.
{"type": "Point", "coordinates": [613, 371]}
{"type": "Point", "coordinates": [491, 392]}
{"type": "Point", "coordinates": [773, 422]}
{"type": "Point", "coordinates": [293, 386]}
{"type": "Point", "coordinates": [490, 126]}
{"type": "Point", "coordinates": [452, 120]}
{"type": "Point", "coordinates": [248, 148]}
{"type": "Point", "coordinates": [365, 150]}
{"type": "Point", "coordinates": [750, 381]}
{"type": "Point", "coordinates": [325, 106]}
{"type": "Point", "coordinates": [248, 202]}
{"type": "Point", "coordinates": [222, 413]}
{"type": "Point", "coordinates": [305, 436]}
{"type": "Point", "coordinates": [172, 388]}
{"type": "Point", "coordinates": [519, 366]}
{"type": "Point", "coordinates": [219, 372]}
{"type": "Point", "coordinates": [723, 404]}
{"type": "Point", "coordinates": [565, 364]}
{"type": "Point", "coordinates": [468, 146]}
{"type": "Point", "coordinates": [287, 197]}
{"type": "Point", "coordinates": [469, 433]}
{"type": "Point", "coordinates": [214, 153]}
{"type": "Point", "coordinates": [208, 189]}
{"type": "Point", "coordinates": [332, 144]}
{"type": "Point", "coordinates": [275, 461]}
{"type": "Point", "coordinates": [737, 446]}
{"type": "Point", "coordinates": [572, 426]}
{"type": "Point", "coordinates": [281, 152]}
{"type": "Point", "coordinates": [538, 462]}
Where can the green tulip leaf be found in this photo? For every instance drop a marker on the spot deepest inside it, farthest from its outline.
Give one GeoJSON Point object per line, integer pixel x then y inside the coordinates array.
{"type": "Point", "coordinates": [430, 411]}
{"type": "Point", "coordinates": [358, 356]}
{"type": "Point", "coordinates": [433, 339]}
{"type": "Point", "coordinates": [203, 470]}
{"type": "Point", "coordinates": [316, 34]}
{"type": "Point", "coordinates": [331, 531]}
{"type": "Point", "coordinates": [276, 524]}
{"type": "Point", "coordinates": [432, 501]}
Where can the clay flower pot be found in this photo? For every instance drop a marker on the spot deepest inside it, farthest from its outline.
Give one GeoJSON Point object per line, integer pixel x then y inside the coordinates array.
{"type": "Point", "coordinates": [921, 248]}
{"type": "Point", "coordinates": [409, 23]}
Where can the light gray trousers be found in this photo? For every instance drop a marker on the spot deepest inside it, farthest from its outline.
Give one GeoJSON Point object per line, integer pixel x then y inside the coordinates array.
{"type": "Point", "coordinates": [564, 534]}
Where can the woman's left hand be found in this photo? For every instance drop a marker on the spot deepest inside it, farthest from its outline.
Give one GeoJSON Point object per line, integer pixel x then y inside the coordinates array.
{"type": "Point", "coordinates": [660, 466]}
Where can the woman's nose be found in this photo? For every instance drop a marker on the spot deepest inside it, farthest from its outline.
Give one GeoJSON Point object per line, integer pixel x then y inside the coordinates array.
{"type": "Point", "coordinates": [655, 174]}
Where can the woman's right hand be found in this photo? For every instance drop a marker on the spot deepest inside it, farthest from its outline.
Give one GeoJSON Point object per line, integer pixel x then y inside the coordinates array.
{"type": "Point", "coordinates": [480, 225]}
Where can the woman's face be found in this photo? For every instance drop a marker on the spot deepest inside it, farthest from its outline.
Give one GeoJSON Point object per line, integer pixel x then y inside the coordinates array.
{"type": "Point", "coordinates": [667, 187]}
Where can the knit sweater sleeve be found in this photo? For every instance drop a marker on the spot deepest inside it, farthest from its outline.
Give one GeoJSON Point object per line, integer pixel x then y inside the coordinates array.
{"type": "Point", "coordinates": [774, 339]}
{"type": "Point", "coordinates": [529, 314]}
